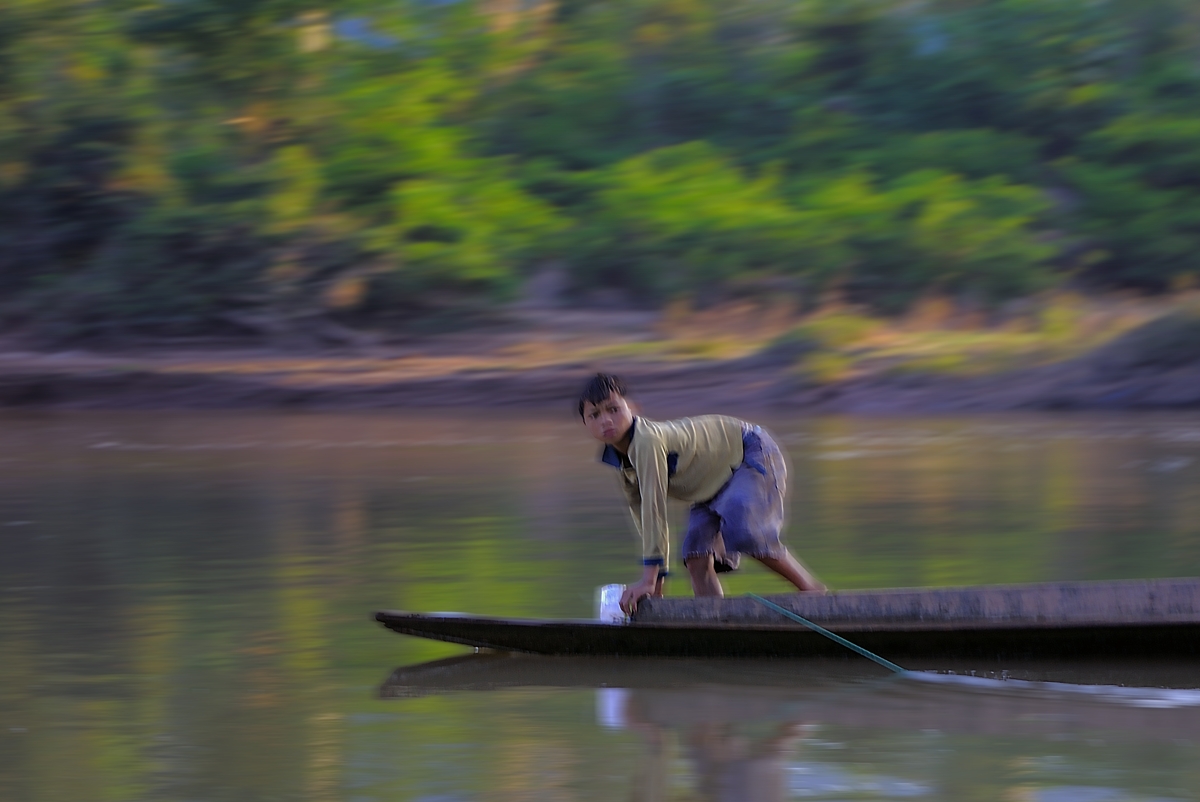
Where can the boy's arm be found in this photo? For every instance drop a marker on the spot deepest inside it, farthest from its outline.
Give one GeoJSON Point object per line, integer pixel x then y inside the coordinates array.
{"type": "Point", "coordinates": [650, 465]}
{"type": "Point", "coordinates": [650, 583]}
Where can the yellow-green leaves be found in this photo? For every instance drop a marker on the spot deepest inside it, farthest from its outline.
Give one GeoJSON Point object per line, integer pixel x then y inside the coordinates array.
{"type": "Point", "coordinates": [296, 177]}
{"type": "Point", "coordinates": [477, 227]}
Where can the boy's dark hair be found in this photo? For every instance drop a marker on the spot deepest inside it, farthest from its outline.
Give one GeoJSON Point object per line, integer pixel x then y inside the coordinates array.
{"type": "Point", "coordinates": [600, 387]}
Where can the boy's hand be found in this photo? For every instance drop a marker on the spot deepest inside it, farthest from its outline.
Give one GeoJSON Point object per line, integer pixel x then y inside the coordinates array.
{"type": "Point", "coordinates": [649, 585]}
{"type": "Point", "coordinates": [639, 590]}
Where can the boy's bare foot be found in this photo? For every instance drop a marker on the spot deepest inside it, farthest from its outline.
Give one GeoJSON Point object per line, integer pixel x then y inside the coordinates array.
{"type": "Point", "coordinates": [794, 571]}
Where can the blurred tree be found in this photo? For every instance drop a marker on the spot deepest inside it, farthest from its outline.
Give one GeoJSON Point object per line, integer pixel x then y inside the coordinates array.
{"type": "Point", "coordinates": [200, 166]}
{"type": "Point", "coordinates": [931, 230]}
{"type": "Point", "coordinates": [685, 218]}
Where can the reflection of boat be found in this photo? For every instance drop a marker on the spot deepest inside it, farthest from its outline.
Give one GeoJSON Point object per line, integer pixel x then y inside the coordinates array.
{"type": "Point", "coordinates": [1137, 618]}
{"type": "Point", "coordinates": [498, 671]}
{"type": "Point", "coordinates": [672, 692]}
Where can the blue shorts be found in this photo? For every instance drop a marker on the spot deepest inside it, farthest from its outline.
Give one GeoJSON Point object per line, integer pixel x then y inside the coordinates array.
{"type": "Point", "coordinates": [746, 514]}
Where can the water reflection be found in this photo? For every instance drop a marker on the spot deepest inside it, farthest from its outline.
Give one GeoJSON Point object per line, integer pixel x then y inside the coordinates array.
{"type": "Point", "coordinates": [185, 608]}
{"type": "Point", "coordinates": [724, 762]}
{"type": "Point", "coordinates": [776, 730]}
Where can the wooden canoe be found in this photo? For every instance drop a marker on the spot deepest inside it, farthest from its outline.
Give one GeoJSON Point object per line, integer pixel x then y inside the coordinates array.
{"type": "Point", "coordinates": [1125, 619]}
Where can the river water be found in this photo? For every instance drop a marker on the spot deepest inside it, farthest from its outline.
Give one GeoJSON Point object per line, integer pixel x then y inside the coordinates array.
{"type": "Point", "coordinates": [186, 600]}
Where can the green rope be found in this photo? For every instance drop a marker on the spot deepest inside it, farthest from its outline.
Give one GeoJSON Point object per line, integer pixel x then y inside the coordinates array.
{"type": "Point", "coordinates": [820, 630]}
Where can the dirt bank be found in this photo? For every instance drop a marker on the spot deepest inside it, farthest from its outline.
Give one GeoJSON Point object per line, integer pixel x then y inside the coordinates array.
{"type": "Point", "coordinates": [233, 381]}
{"type": "Point", "coordinates": [543, 365]}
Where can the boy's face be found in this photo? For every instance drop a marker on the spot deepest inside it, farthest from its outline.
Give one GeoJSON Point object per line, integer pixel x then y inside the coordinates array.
{"type": "Point", "coordinates": [609, 420]}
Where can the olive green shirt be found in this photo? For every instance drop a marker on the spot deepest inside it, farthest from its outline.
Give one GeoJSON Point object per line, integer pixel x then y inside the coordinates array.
{"type": "Point", "coordinates": [688, 459]}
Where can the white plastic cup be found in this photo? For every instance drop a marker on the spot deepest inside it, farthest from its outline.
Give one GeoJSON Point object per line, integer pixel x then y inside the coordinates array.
{"type": "Point", "coordinates": [608, 604]}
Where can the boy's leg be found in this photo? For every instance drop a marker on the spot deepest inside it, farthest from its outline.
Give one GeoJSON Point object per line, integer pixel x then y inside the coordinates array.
{"type": "Point", "coordinates": [704, 576]}
{"type": "Point", "coordinates": [751, 507]}
{"type": "Point", "coordinates": [699, 544]}
{"type": "Point", "coordinates": [793, 571]}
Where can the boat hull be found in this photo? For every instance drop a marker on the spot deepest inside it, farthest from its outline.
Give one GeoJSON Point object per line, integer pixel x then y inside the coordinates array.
{"type": "Point", "coordinates": [666, 640]}
{"type": "Point", "coordinates": [1133, 619]}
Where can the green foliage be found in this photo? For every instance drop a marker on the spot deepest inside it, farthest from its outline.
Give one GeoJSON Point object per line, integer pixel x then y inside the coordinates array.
{"type": "Point", "coordinates": [1139, 182]}
{"type": "Point", "coordinates": [1058, 320]}
{"type": "Point", "coordinates": [824, 367]}
{"type": "Point", "coordinates": [928, 230]}
{"type": "Point", "coordinates": [684, 217]}
{"type": "Point", "coordinates": [837, 330]}
{"type": "Point", "coordinates": [568, 112]}
{"type": "Point", "coordinates": [973, 154]}
{"type": "Point", "coordinates": [176, 272]}
{"type": "Point", "coordinates": [937, 365]}
{"type": "Point", "coordinates": [1165, 150]}
{"type": "Point", "coordinates": [469, 231]}
{"type": "Point", "coordinates": [815, 348]}
{"type": "Point", "coordinates": [297, 177]}
{"type": "Point", "coordinates": [1141, 235]}
{"type": "Point", "coordinates": [661, 148]}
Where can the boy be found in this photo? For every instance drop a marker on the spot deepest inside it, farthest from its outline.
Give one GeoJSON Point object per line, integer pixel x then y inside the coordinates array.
{"type": "Point", "coordinates": [731, 471]}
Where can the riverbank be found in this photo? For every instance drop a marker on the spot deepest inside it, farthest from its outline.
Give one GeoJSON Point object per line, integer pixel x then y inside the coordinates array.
{"type": "Point", "coordinates": [676, 367]}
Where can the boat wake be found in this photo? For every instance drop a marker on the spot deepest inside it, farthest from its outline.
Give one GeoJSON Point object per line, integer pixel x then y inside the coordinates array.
{"type": "Point", "coordinates": [1149, 698]}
